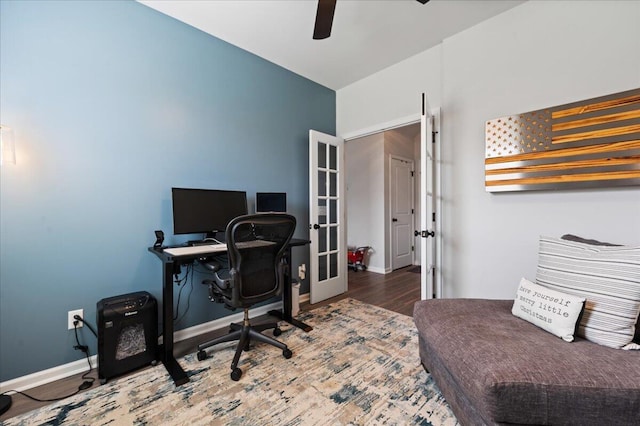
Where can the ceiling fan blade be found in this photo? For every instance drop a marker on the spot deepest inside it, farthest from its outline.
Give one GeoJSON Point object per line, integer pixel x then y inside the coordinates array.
{"type": "Point", "coordinates": [324, 19]}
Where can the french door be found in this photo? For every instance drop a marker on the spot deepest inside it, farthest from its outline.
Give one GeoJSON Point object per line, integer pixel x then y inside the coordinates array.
{"type": "Point", "coordinates": [430, 245]}
{"type": "Point", "coordinates": [327, 233]}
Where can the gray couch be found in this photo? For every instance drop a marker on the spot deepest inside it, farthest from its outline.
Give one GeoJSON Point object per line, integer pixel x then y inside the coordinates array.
{"type": "Point", "coordinates": [494, 368]}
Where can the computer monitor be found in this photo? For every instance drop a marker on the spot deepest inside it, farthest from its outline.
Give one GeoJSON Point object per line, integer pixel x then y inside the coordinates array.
{"type": "Point", "coordinates": [271, 202]}
{"type": "Point", "coordinates": [205, 210]}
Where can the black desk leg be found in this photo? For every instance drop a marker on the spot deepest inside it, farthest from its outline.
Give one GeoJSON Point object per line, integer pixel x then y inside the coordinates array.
{"type": "Point", "coordinates": [285, 314]}
{"type": "Point", "coordinates": [166, 349]}
{"type": "Point", "coordinates": [294, 322]}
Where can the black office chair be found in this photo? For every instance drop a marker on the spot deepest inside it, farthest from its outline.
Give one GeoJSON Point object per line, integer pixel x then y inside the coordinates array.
{"type": "Point", "coordinates": [256, 245]}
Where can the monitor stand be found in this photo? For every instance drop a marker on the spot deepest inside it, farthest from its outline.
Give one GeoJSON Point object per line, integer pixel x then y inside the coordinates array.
{"type": "Point", "coordinates": [212, 238]}
{"type": "Point", "coordinates": [209, 238]}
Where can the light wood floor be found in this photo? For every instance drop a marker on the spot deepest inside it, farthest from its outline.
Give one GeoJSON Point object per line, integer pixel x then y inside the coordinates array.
{"type": "Point", "coordinates": [397, 291]}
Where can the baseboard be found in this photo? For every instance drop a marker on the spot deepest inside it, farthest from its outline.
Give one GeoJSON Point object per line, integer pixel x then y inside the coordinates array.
{"type": "Point", "coordinates": [49, 375]}
{"type": "Point", "coordinates": [60, 372]}
{"type": "Point", "coordinates": [377, 270]}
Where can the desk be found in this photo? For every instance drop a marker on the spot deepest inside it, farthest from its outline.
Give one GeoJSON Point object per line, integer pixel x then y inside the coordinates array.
{"type": "Point", "coordinates": [171, 265]}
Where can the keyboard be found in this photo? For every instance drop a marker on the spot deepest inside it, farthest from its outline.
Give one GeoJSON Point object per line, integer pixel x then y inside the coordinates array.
{"type": "Point", "coordinates": [185, 251]}
{"type": "Point", "coordinates": [214, 248]}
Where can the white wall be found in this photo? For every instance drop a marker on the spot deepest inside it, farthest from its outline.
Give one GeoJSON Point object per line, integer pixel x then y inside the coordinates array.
{"type": "Point", "coordinates": [364, 168]}
{"type": "Point", "coordinates": [537, 55]}
{"type": "Point", "coordinates": [391, 95]}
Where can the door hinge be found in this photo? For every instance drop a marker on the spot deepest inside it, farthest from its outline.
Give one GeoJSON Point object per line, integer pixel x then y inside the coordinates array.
{"type": "Point", "coordinates": [411, 173]}
{"type": "Point", "coordinates": [413, 248]}
{"type": "Point", "coordinates": [412, 212]}
{"type": "Point", "coordinates": [433, 216]}
{"type": "Point", "coordinates": [433, 137]}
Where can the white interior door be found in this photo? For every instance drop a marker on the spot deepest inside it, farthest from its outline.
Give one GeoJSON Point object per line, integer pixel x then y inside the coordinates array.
{"type": "Point", "coordinates": [327, 222]}
{"type": "Point", "coordinates": [427, 203]}
{"type": "Point", "coordinates": [401, 196]}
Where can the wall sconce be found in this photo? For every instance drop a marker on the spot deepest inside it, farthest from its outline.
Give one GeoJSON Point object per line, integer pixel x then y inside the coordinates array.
{"type": "Point", "coordinates": [7, 145]}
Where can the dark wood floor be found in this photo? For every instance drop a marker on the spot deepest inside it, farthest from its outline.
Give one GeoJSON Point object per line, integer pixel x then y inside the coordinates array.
{"type": "Point", "coordinates": [397, 291]}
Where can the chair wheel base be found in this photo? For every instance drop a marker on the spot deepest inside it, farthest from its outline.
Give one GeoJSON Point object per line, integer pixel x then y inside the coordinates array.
{"type": "Point", "coordinates": [287, 353]}
{"type": "Point", "coordinates": [277, 331]}
{"type": "Point", "coordinates": [236, 373]}
{"type": "Point", "coordinates": [202, 355]}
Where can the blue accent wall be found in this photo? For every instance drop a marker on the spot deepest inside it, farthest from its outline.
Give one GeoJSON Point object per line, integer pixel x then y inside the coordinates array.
{"type": "Point", "coordinates": [112, 104]}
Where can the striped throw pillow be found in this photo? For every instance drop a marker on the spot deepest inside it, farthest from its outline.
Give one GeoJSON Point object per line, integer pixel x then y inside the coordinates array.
{"type": "Point", "coordinates": [576, 238]}
{"type": "Point", "coordinates": [607, 277]}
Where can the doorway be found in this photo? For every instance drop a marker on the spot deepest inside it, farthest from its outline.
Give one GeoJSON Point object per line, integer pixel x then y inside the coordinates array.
{"type": "Point", "coordinates": [370, 195]}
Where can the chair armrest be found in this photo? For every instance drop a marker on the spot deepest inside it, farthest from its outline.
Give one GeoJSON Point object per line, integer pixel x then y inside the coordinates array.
{"type": "Point", "coordinates": [211, 265]}
{"type": "Point", "coordinates": [220, 272]}
{"type": "Point", "coordinates": [222, 281]}
{"type": "Point", "coordinates": [221, 286]}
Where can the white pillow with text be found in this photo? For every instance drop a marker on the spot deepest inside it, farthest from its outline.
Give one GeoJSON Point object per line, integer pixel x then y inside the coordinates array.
{"type": "Point", "coordinates": [548, 309]}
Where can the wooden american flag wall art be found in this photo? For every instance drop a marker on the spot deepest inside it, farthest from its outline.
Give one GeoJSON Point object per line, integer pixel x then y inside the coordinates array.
{"type": "Point", "coordinates": [587, 144]}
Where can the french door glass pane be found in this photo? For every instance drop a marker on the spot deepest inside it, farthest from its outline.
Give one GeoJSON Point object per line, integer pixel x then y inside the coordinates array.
{"type": "Point", "coordinates": [333, 238]}
{"type": "Point", "coordinates": [322, 183]}
{"type": "Point", "coordinates": [333, 184]}
{"type": "Point", "coordinates": [322, 240]}
{"type": "Point", "coordinates": [322, 211]}
{"type": "Point", "coordinates": [333, 211]}
{"type": "Point", "coordinates": [322, 155]}
{"type": "Point", "coordinates": [333, 265]}
{"type": "Point", "coordinates": [333, 157]}
{"type": "Point", "coordinates": [322, 268]}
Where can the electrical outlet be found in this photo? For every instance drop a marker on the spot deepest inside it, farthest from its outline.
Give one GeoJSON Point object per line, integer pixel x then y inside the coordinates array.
{"type": "Point", "coordinates": [71, 314]}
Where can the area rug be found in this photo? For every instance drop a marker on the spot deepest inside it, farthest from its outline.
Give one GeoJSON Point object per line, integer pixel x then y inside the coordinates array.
{"type": "Point", "coordinates": [358, 366]}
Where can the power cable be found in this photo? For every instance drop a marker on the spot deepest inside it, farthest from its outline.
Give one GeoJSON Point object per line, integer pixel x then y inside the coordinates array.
{"type": "Point", "coordinates": [87, 381]}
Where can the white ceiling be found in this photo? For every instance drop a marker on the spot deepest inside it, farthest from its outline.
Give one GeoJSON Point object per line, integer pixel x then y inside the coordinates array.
{"type": "Point", "coordinates": [367, 35]}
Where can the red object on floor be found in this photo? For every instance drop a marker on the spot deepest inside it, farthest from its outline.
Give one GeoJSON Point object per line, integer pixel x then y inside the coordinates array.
{"type": "Point", "coordinates": [356, 257]}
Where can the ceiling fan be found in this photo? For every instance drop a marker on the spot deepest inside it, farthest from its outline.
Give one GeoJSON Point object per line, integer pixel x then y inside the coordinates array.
{"type": "Point", "coordinates": [324, 18]}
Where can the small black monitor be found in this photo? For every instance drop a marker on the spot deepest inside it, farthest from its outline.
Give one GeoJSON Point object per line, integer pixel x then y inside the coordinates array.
{"type": "Point", "coordinates": [205, 210]}
{"type": "Point", "coordinates": [271, 202]}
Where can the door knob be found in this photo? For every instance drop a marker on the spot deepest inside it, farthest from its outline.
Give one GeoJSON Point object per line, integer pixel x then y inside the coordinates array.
{"type": "Point", "coordinates": [424, 234]}
{"type": "Point", "coordinates": [394, 220]}
{"type": "Point", "coordinates": [316, 226]}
